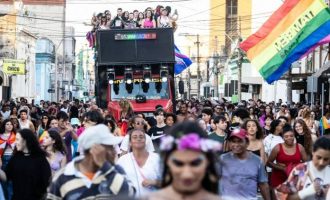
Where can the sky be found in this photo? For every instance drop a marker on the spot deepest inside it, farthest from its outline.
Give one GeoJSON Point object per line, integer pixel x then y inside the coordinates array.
{"type": "Point", "coordinates": [79, 12]}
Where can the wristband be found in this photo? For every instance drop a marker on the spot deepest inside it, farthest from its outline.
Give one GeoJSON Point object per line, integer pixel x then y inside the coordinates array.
{"type": "Point", "coordinates": [307, 192]}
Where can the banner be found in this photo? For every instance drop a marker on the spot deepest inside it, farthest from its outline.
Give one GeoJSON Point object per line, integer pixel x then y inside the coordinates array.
{"type": "Point", "coordinates": [16, 67]}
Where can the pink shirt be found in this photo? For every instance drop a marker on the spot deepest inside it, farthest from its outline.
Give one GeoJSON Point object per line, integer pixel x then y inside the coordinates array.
{"type": "Point", "coordinates": [148, 24]}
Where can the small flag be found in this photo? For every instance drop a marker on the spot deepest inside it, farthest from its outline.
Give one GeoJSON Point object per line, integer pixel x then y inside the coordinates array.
{"type": "Point", "coordinates": [42, 136]}
{"type": "Point", "coordinates": [295, 29]}
{"type": "Point", "coordinates": [182, 61]}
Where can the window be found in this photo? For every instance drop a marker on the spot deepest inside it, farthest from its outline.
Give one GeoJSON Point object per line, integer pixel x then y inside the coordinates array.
{"type": "Point", "coordinates": [231, 7]}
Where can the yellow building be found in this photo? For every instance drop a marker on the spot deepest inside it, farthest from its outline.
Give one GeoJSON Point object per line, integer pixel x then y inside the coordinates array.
{"type": "Point", "coordinates": [228, 20]}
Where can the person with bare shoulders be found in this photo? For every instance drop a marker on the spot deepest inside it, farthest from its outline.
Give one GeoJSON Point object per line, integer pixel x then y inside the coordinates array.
{"type": "Point", "coordinates": [189, 170]}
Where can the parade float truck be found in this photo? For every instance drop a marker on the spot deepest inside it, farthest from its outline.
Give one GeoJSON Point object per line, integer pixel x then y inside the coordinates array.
{"type": "Point", "coordinates": [137, 65]}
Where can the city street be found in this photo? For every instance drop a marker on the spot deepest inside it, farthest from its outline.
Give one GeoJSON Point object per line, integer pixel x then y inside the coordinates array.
{"type": "Point", "coordinates": [165, 100]}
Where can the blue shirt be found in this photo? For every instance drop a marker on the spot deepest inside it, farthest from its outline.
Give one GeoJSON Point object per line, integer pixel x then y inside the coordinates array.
{"type": "Point", "coordinates": [240, 178]}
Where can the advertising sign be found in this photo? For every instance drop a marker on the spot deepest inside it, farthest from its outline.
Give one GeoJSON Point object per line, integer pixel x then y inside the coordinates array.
{"type": "Point", "coordinates": [16, 67]}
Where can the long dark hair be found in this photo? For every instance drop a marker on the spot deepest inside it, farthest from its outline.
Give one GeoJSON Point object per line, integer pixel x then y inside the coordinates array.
{"type": "Point", "coordinates": [308, 142]}
{"type": "Point", "coordinates": [177, 131]}
{"type": "Point", "coordinates": [259, 133]}
{"type": "Point", "coordinates": [58, 144]}
{"type": "Point", "coordinates": [151, 15]}
{"type": "Point", "coordinates": [3, 126]}
{"type": "Point", "coordinates": [45, 126]}
{"type": "Point", "coordinates": [273, 125]}
{"type": "Point", "coordinates": [110, 120]}
{"type": "Point", "coordinates": [32, 143]}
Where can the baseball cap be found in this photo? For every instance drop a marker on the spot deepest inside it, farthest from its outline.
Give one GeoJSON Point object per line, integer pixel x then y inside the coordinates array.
{"type": "Point", "coordinates": [283, 104]}
{"type": "Point", "coordinates": [239, 133]}
{"type": "Point", "coordinates": [99, 134]}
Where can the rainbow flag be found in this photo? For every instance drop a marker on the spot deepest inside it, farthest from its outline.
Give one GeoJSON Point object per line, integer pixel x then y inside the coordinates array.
{"type": "Point", "coordinates": [42, 136]}
{"type": "Point", "coordinates": [296, 28]}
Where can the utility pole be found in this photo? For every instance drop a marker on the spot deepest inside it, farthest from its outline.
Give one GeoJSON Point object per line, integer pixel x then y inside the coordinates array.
{"type": "Point", "coordinates": [216, 73]}
{"type": "Point", "coordinates": [188, 77]}
{"type": "Point", "coordinates": [289, 88]}
{"type": "Point", "coordinates": [240, 62]}
{"type": "Point", "coordinates": [239, 73]}
{"type": "Point", "coordinates": [198, 69]}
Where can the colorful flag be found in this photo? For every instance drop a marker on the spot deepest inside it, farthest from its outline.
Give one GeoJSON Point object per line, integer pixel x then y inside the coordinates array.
{"type": "Point", "coordinates": [42, 136]}
{"type": "Point", "coordinates": [182, 61]}
{"type": "Point", "coordinates": [296, 28]}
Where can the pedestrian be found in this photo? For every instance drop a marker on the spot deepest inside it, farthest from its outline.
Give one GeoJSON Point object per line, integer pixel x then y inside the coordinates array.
{"type": "Point", "coordinates": [183, 112]}
{"type": "Point", "coordinates": [53, 122]}
{"type": "Point", "coordinates": [141, 166]}
{"type": "Point", "coordinates": [28, 169]}
{"type": "Point", "coordinates": [219, 134]}
{"type": "Point", "coordinates": [303, 136]}
{"type": "Point", "coordinates": [67, 132]}
{"type": "Point", "coordinates": [90, 118]}
{"type": "Point", "coordinates": [310, 180]}
{"type": "Point", "coordinates": [325, 124]}
{"type": "Point", "coordinates": [94, 174]}
{"type": "Point", "coordinates": [137, 123]}
{"type": "Point", "coordinates": [13, 112]}
{"type": "Point", "coordinates": [7, 146]}
{"type": "Point", "coordinates": [44, 125]}
{"type": "Point", "coordinates": [207, 114]}
{"type": "Point", "coordinates": [159, 130]}
{"type": "Point", "coordinates": [5, 111]}
{"type": "Point", "coordinates": [255, 135]}
{"type": "Point", "coordinates": [238, 116]}
{"type": "Point", "coordinates": [189, 164]}
{"type": "Point", "coordinates": [241, 171]}
{"type": "Point", "coordinates": [126, 112]}
{"type": "Point", "coordinates": [53, 145]}
{"type": "Point", "coordinates": [274, 136]}
{"type": "Point", "coordinates": [24, 122]}
{"type": "Point", "coordinates": [170, 119]}
{"type": "Point", "coordinates": [287, 155]}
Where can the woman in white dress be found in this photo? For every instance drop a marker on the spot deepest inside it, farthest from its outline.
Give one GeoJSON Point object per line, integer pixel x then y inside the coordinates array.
{"type": "Point", "coordinates": [142, 167]}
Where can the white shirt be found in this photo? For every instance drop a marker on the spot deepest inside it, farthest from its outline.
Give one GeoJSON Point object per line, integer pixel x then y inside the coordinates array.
{"type": "Point", "coordinates": [324, 174]}
{"type": "Point", "coordinates": [5, 115]}
{"type": "Point", "coordinates": [24, 125]}
{"type": "Point", "coordinates": [271, 141]}
{"type": "Point", "coordinates": [124, 146]}
{"type": "Point", "coordinates": [65, 110]}
{"type": "Point", "coordinates": [136, 174]}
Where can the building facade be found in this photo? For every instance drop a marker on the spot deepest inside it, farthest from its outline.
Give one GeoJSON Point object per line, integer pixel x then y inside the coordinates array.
{"type": "Point", "coordinates": [45, 20]}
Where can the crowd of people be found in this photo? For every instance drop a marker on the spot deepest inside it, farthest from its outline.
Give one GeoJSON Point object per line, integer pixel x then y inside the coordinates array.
{"type": "Point", "coordinates": [160, 17]}
{"type": "Point", "coordinates": [203, 150]}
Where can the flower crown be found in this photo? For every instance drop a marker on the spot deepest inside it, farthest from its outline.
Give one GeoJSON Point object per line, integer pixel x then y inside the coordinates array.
{"type": "Point", "coordinates": [190, 141]}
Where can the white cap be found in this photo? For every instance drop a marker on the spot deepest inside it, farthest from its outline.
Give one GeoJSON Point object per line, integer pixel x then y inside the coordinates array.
{"type": "Point", "coordinates": [284, 104]}
{"type": "Point", "coordinates": [75, 121]}
{"type": "Point", "coordinates": [99, 134]}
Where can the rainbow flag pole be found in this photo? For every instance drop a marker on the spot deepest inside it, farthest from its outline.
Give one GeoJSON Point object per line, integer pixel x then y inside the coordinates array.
{"type": "Point", "coordinates": [296, 28]}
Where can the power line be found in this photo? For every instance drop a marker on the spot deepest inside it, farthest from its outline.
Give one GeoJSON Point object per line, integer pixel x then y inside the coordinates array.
{"type": "Point", "coordinates": [204, 10]}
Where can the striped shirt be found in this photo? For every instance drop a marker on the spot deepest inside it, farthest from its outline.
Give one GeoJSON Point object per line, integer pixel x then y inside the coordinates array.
{"type": "Point", "coordinates": [109, 182]}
